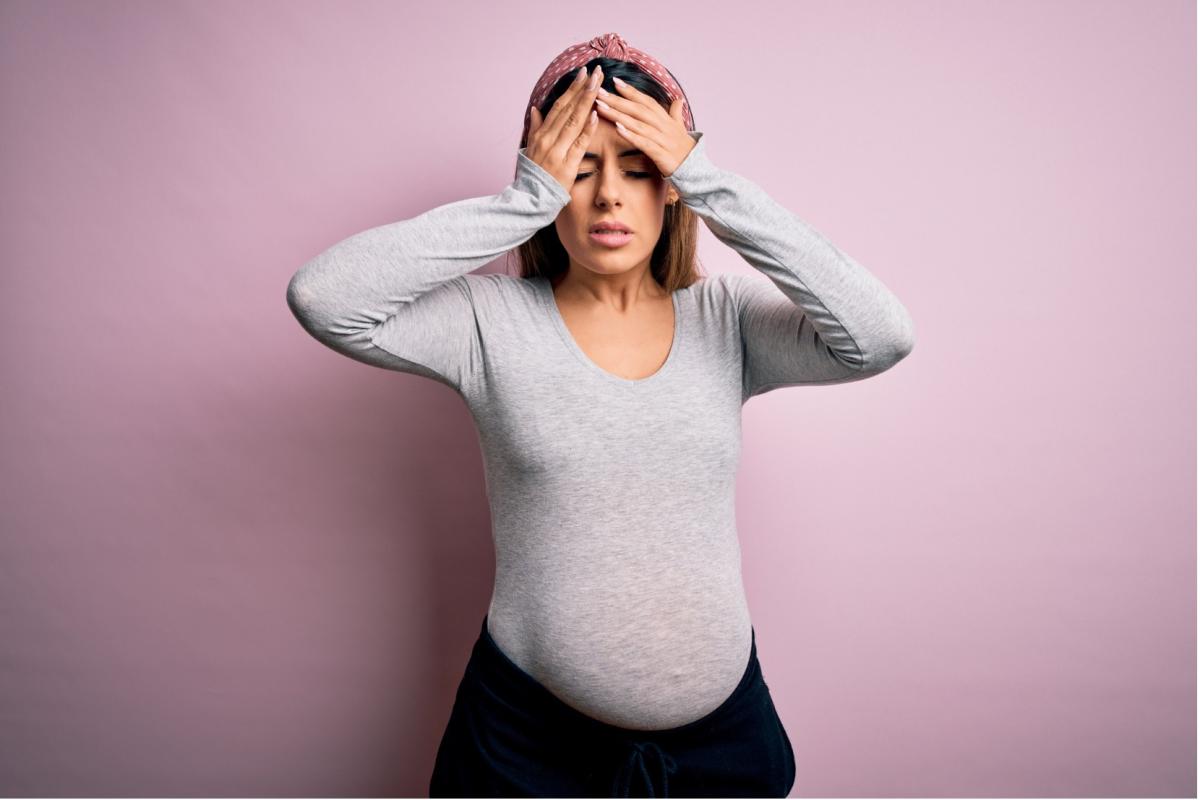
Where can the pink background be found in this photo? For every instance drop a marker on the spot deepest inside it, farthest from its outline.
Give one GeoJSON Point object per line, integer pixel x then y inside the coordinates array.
{"type": "Point", "coordinates": [236, 563]}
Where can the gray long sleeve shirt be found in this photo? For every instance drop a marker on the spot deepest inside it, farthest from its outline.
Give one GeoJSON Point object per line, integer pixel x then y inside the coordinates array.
{"type": "Point", "coordinates": [618, 568]}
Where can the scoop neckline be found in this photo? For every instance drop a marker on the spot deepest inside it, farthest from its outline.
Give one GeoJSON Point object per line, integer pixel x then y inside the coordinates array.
{"type": "Point", "coordinates": [551, 306]}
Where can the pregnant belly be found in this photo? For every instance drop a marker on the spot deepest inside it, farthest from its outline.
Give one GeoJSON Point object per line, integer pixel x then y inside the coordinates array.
{"type": "Point", "coordinates": [646, 654]}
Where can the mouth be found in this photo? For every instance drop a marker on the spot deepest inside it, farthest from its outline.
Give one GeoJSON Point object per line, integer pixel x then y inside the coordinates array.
{"type": "Point", "coordinates": [610, 226]}
{"type": "Point", "coordinates": [610, 233]}
{"type": "Point", "coordinates": [610, 238]}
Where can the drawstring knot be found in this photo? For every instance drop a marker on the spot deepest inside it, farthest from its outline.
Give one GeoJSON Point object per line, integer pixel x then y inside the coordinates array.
{"type": "Point", "coordinates": [635, 766]}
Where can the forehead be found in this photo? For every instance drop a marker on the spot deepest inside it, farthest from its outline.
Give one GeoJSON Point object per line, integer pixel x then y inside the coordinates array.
{"type": "Point", "coordinates": [606, 143]}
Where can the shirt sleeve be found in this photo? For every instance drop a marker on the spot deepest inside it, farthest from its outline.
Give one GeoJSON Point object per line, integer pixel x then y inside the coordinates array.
{"type": "Point", "coordinates": [396, 296]}
{"type": "Point", "coordinates": [825, 320]}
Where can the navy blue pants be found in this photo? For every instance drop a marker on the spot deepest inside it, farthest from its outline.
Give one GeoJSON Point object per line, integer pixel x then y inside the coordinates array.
{"type": "Point", "coordinates": [509, 736]}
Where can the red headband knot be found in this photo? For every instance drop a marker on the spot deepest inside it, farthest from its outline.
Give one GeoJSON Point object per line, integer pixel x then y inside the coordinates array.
{"type": "Point", "coordinates": [610, 45]}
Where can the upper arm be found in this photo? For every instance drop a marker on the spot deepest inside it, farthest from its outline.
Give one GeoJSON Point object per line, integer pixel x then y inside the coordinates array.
{"type": "Point", "coordinates": [780, 346]}
{"type": "Point", "coordinates": [435, 336]}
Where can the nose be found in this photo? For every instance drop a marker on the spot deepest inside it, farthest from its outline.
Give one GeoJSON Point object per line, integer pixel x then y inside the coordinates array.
{"type": "Point", "coordinates": [608, 187]}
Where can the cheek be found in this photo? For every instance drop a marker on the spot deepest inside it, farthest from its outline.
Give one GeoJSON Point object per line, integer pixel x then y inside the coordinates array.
{"type": "Point", "coordinates": [568, 225]}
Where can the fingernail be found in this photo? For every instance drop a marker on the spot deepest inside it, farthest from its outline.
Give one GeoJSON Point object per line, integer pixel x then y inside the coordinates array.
{"type": "Point", "coordinates": [618, 80]}
{"type": "Point", "coordinates": [582, 71]}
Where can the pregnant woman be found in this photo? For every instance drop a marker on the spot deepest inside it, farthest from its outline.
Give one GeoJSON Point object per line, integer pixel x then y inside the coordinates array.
{"type": "Point", "coordinates": [606, 381]}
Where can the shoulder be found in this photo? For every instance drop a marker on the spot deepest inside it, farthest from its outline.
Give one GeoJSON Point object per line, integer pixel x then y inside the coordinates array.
{"type": "Point", "coordinates": [501, 299]}
{"type": "Point", "coordinates": [713, 299]}
{"type": "Point", "coordinates": [740, 290]}
{"type": "Point", "coordinates": [498, 285]}
{"type": "Point", "coordinates": [734, 284]}
{"type": "Point", "coordinates": [731, 297]}
{"type": "Point", "coordinates": [721, 289]}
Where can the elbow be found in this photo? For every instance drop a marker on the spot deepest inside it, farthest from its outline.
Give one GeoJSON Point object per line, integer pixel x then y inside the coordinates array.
{"type": "Point", "coordinates": [891, 349]}
{"type": "Point", "coordinates": [299, 296]}
{"type": "Point", "coordinates": [904, 338]}
{"type": "Point", "coordinates": [300, 301]}
{"type": "Point", "coordinates": [305, 303]}
{"type": "Point", "coordinates": [305, 296]}
{"type": "Point", "coordinates": [319, 313]}
{"type": "Point", "coordinates": [900, 343]}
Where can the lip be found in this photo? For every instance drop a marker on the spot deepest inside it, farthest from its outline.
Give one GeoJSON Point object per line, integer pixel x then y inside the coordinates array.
{"type": "Point", "coordinates": [611, 238]}
{"type": "Point", "coordinates": [610, 225]}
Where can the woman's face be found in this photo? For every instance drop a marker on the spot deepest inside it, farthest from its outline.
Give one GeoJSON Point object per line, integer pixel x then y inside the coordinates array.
{"type": "Point", "coordinates": [613, 187]}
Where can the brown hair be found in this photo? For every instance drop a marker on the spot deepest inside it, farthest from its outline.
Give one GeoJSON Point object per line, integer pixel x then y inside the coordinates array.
{"type": "Point", "coordinates": [673, 262]}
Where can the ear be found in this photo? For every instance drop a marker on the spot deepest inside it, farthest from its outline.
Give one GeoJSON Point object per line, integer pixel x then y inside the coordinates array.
{"type": "Point", "coordinates": [672, 195]}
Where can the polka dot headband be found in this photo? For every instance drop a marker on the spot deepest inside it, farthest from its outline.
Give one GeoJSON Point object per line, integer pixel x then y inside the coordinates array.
{"type": "Point", "coordinates": [610, 45]}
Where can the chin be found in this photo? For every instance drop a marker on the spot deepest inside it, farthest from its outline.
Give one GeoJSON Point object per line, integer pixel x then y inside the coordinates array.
{"type": "Point", "coordinates": [597, 252]}
{"type": "Point", "coordinates": [614, 262]}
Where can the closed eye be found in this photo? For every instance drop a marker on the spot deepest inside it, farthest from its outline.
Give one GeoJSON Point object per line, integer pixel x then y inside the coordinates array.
{"type": "Point", "coordinates": [639, 175]}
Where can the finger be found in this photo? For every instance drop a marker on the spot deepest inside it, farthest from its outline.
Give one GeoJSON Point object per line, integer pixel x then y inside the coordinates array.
{"type": "Point", "coordinates": [639, 135]}
{"type": "Point", "coordinates": [555, 116]}
{"type": "Point", "coordinates": [579, 145]}
{"type": "Point", "coordinates": [565, 98]}
{"type": "Point", "coordinates": [652, 130]}
{"type": "Point", "coordinates": [535, 120]}
{"type": "Point", "coordinates": [677, 111]}
{"type": "Point", "coordinates": [578, 116]}
{"type": "Point", "coordinates": [644, 139]}
{"type": "Point", "coordinates": [646, 111]}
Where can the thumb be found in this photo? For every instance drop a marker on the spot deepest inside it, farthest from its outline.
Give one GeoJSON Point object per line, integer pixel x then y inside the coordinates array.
{"type": "Point", "coordinates": [677, 110]}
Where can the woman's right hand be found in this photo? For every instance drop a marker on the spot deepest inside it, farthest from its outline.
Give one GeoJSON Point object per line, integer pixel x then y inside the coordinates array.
{"type": "Point", "coordinates": [558, 142]}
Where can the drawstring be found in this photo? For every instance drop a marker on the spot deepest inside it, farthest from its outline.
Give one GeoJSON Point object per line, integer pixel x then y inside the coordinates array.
{"type": "Point", "coordinates": [636, 764]}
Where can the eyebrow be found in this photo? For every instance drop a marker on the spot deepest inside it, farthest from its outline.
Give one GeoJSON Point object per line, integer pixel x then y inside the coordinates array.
{"type": "Point", "coordinates": [622, 154]}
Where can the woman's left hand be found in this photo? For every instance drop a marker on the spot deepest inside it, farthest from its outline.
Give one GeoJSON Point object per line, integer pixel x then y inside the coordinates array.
{"type": "Point", "coordinates": [662, 136]}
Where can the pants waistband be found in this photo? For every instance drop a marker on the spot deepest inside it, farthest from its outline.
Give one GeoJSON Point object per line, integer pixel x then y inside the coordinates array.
{"type": "Point", "coordinates": [503, 674]}
{"type": "Point", "coordinates": [643, 758]}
